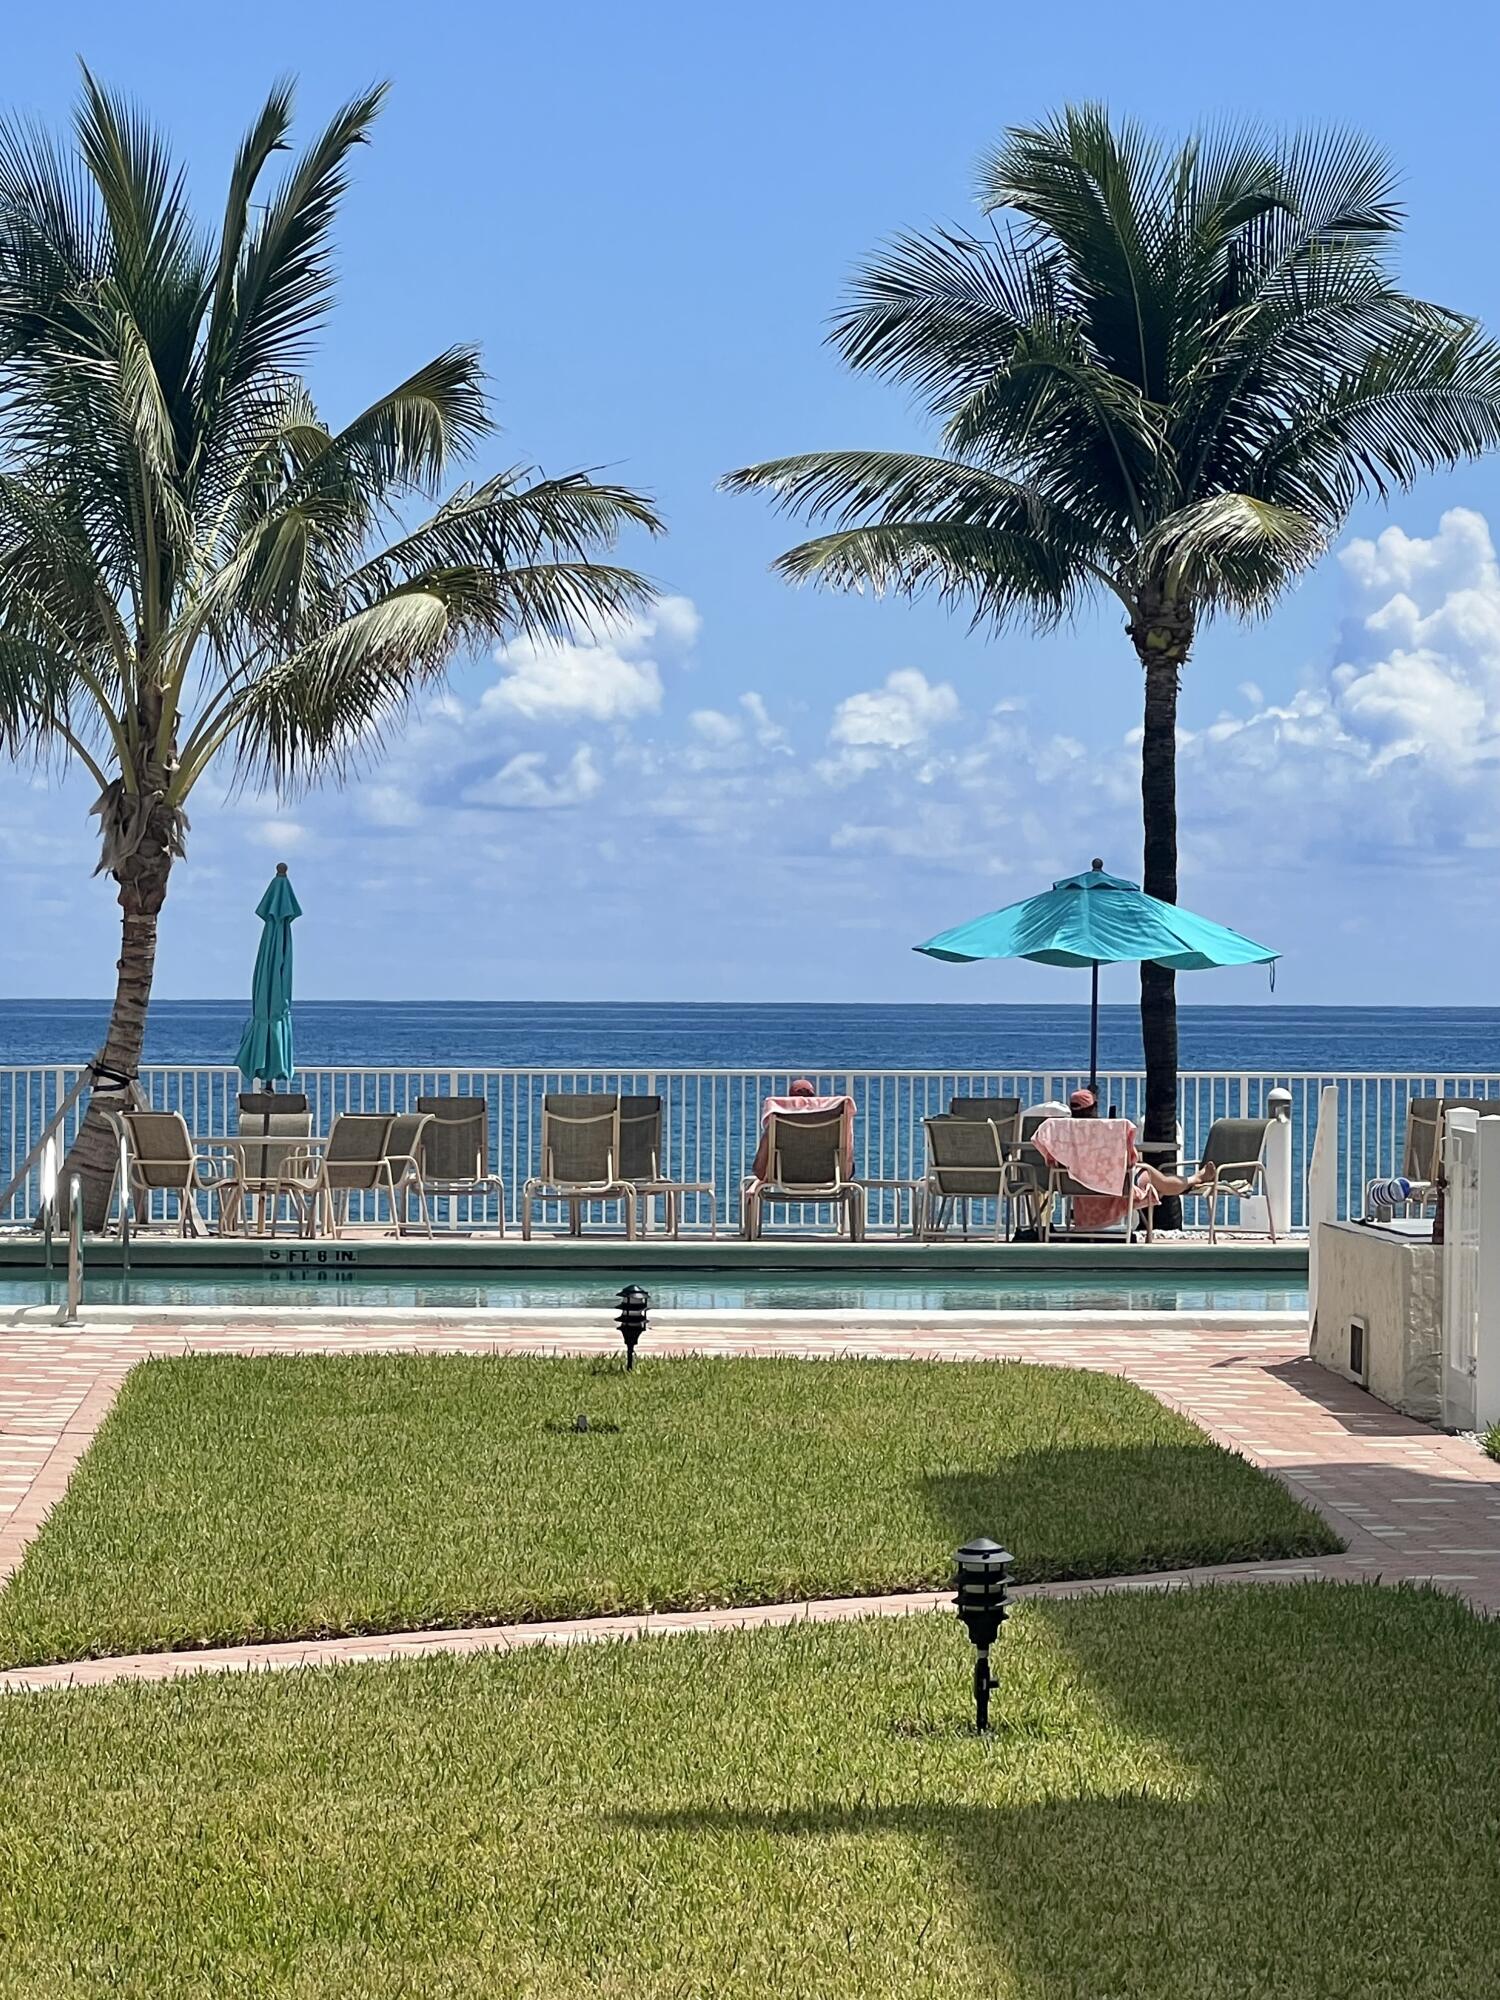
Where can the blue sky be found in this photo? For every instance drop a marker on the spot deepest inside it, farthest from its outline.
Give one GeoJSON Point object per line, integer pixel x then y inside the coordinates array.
{"type": "Point", "coordinates": [644, 216]}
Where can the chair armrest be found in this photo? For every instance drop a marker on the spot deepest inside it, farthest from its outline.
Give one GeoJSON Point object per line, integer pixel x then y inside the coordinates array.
{"type": "Point", "coordinates": [209, 1172]}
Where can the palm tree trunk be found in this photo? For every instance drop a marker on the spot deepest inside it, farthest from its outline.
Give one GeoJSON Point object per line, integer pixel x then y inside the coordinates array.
{"type": "Point", "coordinates": [143, 888]}
{"type": "Point", "coordinates": [1163, 635]}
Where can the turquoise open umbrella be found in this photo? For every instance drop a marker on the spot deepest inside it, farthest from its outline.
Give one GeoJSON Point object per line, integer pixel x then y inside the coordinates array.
{"type": "Point", "coordinates": [1096, 919]}
{"type": "Point", "coordinates": [266, 1045]}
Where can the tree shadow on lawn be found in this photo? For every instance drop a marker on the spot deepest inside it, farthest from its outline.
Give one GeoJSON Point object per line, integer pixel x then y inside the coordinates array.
{"type": "Point", "coordinates": [1283, 1800]}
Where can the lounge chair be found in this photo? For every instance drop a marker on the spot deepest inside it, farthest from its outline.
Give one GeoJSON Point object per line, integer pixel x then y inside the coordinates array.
{"type": "Point", "coordinates": [318, 1179]}
{"type": "Point", "coordinates": [1422, 1155]}
{"type": "Point", "coordinates": [1234, 1160]}
{"type": "Point", "coordinates": [641, 1165]}
{"type": "Point", "coordinates": [581, 1156]}
{"type": "Point", "coordinates": [272, 1125]}
{"type": "Point", "coordinates": [455, 1152]}
{"type": "Point", "coordinates": [966, 1162]}
{"type": "Point", "coordinates": [163, 1157]}
{"type": "Point", "coordinates": [1060, 1190]}
{"type": "Point", "coordinates": [805, 1163]}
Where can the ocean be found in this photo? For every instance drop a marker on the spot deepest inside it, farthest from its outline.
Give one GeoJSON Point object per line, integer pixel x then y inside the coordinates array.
{"type": "Point", "coordinates": [1460, 1041]}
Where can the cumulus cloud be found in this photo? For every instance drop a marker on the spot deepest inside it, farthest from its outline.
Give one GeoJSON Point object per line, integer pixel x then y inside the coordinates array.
{"type": "Point", "coordinates": [523, 784]}
{"type": "Point", "coordinates": [613, 676]}
{"type": "Point", "coordinates": [287, 833]}
{"type": "Point", "coordinates": [880, 726]}
{"type": "Point", "coordinates": [1397, 744]}
{"type": "Point", "coordinates": [902, 713]}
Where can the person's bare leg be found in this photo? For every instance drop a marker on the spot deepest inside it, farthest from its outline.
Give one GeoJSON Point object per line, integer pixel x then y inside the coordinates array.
{"type": "Point", "coordinates": [1169, 1184]}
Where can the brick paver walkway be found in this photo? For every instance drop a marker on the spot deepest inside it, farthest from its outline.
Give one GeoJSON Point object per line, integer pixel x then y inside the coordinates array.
{"type": "Point", "coordinates": [1412, 1504]}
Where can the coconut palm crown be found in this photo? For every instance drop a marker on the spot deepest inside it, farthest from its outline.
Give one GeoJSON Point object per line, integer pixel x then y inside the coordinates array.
{"type": "Point", "coordinates": [196, 570]}
{"type": "Point", "coordinates": [1161, 374]}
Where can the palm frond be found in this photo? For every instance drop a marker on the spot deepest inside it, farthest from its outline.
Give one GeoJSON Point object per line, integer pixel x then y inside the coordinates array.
{"type": "Point", "coordinates": [283, 276]}
{"type": "Point", "coordinates": [997, 575]}
{"type": "Point", "coordinates": [1232, 552]}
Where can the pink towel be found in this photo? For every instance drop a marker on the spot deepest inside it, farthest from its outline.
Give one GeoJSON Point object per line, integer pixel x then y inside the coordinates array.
{"type": "Point", "coordinates": [1098, 1153]}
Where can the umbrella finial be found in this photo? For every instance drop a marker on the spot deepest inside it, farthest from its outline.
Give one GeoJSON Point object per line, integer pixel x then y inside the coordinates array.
{"type": "Point", "coordinates": [281, 867]}
{"type": "Point", "coordinates": [1097, 865]}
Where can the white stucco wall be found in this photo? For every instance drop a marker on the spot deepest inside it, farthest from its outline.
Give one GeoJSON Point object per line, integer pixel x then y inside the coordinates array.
{"type": "Point", "coordinates": [1394, 1285]}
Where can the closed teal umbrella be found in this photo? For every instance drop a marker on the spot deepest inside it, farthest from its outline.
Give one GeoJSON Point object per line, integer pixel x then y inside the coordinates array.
{"type": "Point", "coordinates": [266, 1045]}
{"type": "Point", "coordinates": [1096, 919]}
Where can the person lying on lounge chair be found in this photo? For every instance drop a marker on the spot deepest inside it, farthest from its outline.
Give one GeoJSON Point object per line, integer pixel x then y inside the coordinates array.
{"type": "Point", "coordinates": [1084, 1104]}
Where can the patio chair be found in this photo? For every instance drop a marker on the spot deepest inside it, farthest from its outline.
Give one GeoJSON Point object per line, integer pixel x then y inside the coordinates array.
{"type": "Point", "coordinates": [271, 1125]}
{"type": "Point", "coordinates": [1422, 1155]}
{"type": "Point", "coordinates": [641, 1165]}
{"type": "Point", "coordinates": [966, 1162]}
{"type": "Point", "coordinates": [805, 1162]}
{"type": "Point", "coordinates": [455, 1150]}
{"type": "Point", "coordinates": [318, 1179]}
{"type": "Point", "coordinates": [581, 1155]}
{"type": "Point", "coordinates": [163, 1157]}
{"type": "Point", "coordinates": [1233, 1157]}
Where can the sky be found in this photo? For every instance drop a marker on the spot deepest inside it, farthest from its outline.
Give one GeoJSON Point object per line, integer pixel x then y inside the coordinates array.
{"type": "Point", "coordinates": [644, 216]}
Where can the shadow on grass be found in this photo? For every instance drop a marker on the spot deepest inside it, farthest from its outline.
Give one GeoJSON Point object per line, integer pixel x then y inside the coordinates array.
{"type": "Point", "coordinates": [1101, 1510]}
{"type": "Point", "coordinates": [1275, 1793]}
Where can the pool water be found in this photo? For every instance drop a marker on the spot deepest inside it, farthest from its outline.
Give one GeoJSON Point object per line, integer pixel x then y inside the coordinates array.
{"type": "Point", "coordinates": [1227, 1291]}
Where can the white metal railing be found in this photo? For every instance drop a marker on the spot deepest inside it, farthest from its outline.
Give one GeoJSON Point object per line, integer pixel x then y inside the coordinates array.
{"type": "Point", "coordinates": [712, 1116]}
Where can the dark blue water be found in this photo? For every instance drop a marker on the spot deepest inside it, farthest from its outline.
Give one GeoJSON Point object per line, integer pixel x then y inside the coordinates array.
{"type": "Point", "coordinates": [1461, 1040]}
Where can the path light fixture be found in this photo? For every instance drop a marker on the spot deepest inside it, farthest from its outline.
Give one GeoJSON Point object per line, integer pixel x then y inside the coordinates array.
{"type": "Point", "coordinates": [982, 1581]}
{"type": "Point", "coordinates": [631, 1319]}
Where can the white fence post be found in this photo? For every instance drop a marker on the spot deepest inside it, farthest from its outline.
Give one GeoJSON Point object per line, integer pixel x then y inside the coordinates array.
{"type": "Point", "coordinates": [1278, 1159]}
{"type": "Point", "coordinates": [1322, 1190]}
{"type": "Point", "coordinates": [1487, 1331]}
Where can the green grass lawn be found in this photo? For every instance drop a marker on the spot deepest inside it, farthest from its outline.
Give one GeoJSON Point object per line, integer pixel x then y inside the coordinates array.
{"type": "Point", "coordinates": [229, 1498]}
{"type": "Point", "coordinates": [1252, 1794]}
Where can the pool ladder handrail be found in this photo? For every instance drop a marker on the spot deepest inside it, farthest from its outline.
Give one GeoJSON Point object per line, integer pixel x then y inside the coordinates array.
{"type": "Point", "coordinates": [75, 1251]}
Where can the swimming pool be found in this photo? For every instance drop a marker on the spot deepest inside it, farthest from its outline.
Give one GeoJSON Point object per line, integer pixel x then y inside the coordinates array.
{"type": "Point", "coordinates": [694, 1291]}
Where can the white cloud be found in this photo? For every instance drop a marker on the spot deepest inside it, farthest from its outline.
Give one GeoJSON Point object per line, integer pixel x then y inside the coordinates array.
{"type": "Point", "coordinates": [715, 727]}
{"type": "Point", "coordinates": [523, 783]}
{"type": "Point", "coordinates": [1397, 746]}
{"type": "Point", "coordinates": [287, 833]}
{"type": "Point", "coordinates": [768, 734]}
{"type": "Point", "coordinates": [389, 805]}
{"type": "Point", "coordinates": [613, 676]}
{"type": "Point", "coordinates": [897, 716]}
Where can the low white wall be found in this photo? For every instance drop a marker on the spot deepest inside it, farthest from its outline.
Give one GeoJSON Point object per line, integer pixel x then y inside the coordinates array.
{"type": "Point", "coordinates": [1394, 1284]}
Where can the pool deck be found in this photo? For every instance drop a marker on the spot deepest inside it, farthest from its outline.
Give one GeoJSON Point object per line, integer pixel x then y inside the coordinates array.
{"type": "Point", "coordinates": [1411, 1504]}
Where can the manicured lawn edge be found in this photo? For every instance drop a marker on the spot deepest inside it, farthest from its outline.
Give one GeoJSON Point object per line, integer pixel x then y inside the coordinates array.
{"type": "Point", "coordinates": [232, 1500]}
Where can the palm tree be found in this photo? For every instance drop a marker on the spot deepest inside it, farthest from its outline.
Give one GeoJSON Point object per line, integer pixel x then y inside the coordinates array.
{"type": "Point", "coordinates": [1160, 375]}
{"type": "Point", "coordinates": [196, 571]}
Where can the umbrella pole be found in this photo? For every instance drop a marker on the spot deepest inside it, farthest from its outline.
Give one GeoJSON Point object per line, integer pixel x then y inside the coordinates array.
{"type": "Point", "coordinates": [1094, 1030]}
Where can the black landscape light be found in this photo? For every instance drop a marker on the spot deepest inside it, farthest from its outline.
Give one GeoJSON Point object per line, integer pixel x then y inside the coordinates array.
{"type": "Point", "coordinates": [631, 1319]}
{"type": "Point", "coordinates": [982, 1581]}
